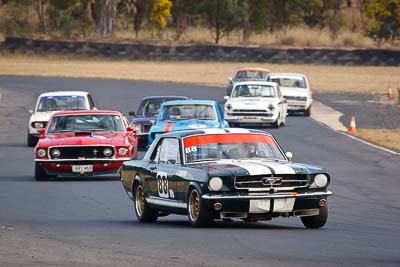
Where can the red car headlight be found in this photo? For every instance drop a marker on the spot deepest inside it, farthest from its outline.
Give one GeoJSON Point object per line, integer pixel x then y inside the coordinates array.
{"type": "Point", "coordinates": [41, 152]}
{"type": "Point", "coordinates": [122, 151]}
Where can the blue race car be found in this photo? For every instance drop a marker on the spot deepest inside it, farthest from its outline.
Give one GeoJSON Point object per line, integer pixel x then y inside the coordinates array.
{"type": "Point", "coordinates": [147, 114]}
{"type": "Point", "coordinates": [186, 115]}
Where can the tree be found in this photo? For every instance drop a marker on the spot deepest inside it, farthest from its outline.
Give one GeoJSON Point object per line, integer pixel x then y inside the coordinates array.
{"type": "Point", "coordinates": [385, 20]}
{"type": "Point", "coordinates": [107, 11]}
{"type": "Point", "coordinates": [160, 11]}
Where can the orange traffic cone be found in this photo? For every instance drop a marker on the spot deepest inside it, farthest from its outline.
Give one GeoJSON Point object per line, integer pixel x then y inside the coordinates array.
{"type": "Point", "coordinates": [390, 92]}
{"type": "Point", "coordinates": [352, 128]}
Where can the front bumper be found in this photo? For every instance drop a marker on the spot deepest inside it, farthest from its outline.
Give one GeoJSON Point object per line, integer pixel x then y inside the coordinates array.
{"type": "Point", "coordinates": [251, 119]}
{"type": "Point", "coordinates": [276, 204]}
{"type": "Point", "coordinates": [298, 105]}
{"type": "Point", "coordinates": [64, 167]}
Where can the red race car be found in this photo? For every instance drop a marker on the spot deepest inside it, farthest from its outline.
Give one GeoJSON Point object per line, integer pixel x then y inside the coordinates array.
{"type": "Point", "coordinates": [86, 142]}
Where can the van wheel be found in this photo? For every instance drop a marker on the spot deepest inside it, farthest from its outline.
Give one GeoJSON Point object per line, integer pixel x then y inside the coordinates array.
{"type": "Point", "coordinates": [307, 112]}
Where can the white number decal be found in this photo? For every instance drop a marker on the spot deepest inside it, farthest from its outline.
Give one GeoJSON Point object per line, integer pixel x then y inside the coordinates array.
{"type": "Point", "coordinates": [162, 181]}
{"type": "Point", "coordinates": [190, 149]}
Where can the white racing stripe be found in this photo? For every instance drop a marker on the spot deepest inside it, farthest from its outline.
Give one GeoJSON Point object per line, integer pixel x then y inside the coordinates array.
{"type": "Point", "coordinates": [213, 131]}
{"type": "Point", "coordinates": [238, 130]}
{"type": "Point", "coordinates": [252, 168]}
{"type": "Point", "coordinates": [279, 168]}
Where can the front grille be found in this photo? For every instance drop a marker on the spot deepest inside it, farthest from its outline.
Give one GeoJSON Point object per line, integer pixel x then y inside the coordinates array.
{"type": "Point", "coordinates": [77, 152]}
{"type": "Point", "coordinates": [251, 112]}
{"type": "Point", "coordinates": [271, 181]}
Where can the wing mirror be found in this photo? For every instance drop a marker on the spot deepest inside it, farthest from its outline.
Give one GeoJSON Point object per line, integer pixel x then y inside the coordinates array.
{"type": "Point", "coordinates": [230, 78]}
{"type": "Point", "coordinates": [132, 113]}
{"type": "Point", "coordinates": [130, 128]}
{"type": "Point", "coordinates": [289, 155]}
{"type": "Point", "coordinates": [226, 98]}
{"type": "Point", "coordinates": [41, 131]}
{"type": "Point", "coordinates": [30, 111]}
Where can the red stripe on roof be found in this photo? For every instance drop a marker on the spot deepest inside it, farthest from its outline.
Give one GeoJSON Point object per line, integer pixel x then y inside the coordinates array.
{"type": "Point", "coordinates": [227, 138]}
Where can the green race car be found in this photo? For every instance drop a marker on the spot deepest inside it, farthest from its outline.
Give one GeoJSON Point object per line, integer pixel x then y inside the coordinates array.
{"type": "Point", "coordinates": [224, 174]}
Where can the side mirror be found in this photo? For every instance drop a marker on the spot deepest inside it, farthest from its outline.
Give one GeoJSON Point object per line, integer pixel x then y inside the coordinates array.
{"type": "Point", "coordinates": [226, 98]}
{"type": "Point", "coordinates": [230, 78]}
{"type": "Point", "coordinates": [132, 113]}
{"type": "Point", "coordinates": [289, 155]}
{"type": "Point", "coordinates": [31, 111]}
{"type": "Point", "coordinates": [130, 128]}
{"type": "Point", "coordinates": [41, 131]}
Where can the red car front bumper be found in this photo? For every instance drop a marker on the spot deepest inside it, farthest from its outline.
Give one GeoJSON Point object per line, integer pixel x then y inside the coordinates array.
{"type": "Point", "coordinates": [96, 167]}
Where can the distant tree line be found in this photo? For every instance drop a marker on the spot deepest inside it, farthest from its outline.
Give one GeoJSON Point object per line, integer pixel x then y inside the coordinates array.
{"type": "Point", "coordinates": [380, 19]}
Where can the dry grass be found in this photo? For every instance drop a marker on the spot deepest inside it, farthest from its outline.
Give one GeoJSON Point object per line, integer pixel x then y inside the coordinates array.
{"type": "Point", "coordinates": [385, 137]}
{"type": "Point", "coordinates": [322, 78]}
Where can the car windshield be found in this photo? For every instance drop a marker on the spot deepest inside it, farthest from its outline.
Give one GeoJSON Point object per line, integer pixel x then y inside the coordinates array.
{"type": "Point", "coordinates": [230, 146]}
{"type": "Point", "coordinates": [298, 82]}
{"type": "Point", "coordinates": [248, 90]}
{"type": "Point", "coordinates": [150, 107]}
{"type": "Point", "coordinates": [250, 74]}
{"type": "Point", "coordinates": [68, 102]}
{"type": "Point", "coordinates": [86, 122]}
{"type": "Point", "coordinates": [187, 112]}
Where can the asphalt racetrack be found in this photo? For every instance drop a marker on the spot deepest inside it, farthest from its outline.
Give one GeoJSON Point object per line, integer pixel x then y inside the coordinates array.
{"type": "Point", "coordinates": [91, 222]}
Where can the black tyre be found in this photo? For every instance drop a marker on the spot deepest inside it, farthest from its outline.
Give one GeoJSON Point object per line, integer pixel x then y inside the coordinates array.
{"type": "Point", "coordinates": [198, 214]}
{"type": "Point", "coordinates": [276, 123]}
{"type": "Point", "coordinates": [316, 221]}
{"type": "Point", "coordinates": [32, 140]}
{"type": "Point", "coordinates": [307, 112]}
{"type": "Point", "coordinates": [143, 212]}
{"type": "Point", "coordinates": [40, 173]}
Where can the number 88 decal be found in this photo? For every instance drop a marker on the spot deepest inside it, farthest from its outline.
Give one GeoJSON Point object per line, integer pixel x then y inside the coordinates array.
{"type": "Point", "coordinates": [162, 181]}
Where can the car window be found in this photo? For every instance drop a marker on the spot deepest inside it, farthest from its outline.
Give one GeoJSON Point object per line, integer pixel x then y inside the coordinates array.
{"type": "Point", "coordinates": [167, 152]}
{"type": "Point", "coordinates": [251, 75]}
{"type": "Point", "coordinates": [150, 107]}
{"type": "Point", "coordinates": [254, 91]}
{"type": "Point", "coordinates": [298, 82]}
{"type": "Point", "coordinates": [188, 112]}
{"type": "Point", "coordinates": [53, 103]}
{"type": "Point", "coordinates": [91, 103]}
{"type": "Point", "coordinates": [87, 122]}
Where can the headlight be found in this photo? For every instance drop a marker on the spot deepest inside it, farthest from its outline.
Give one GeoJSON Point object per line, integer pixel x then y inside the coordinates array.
{"type": "Point", "coordinates": [320, 180]}
{"type": "Point", "coordinates": [55, 152]}
{"type": "Point", "coordinates": [271, 107]}
{"type": "Point", "coordinates": [39, 125]}
{"type": "Point", "coordinates": [228, 106]}
{"type": "Point", "coordinates": [122, 151]}
{"type": "Point", "coordinates": [41, 152]}
{"type": "Point", "coordinates": [107, 152]}
{"type": "Point", "coordinates": [215, 183]}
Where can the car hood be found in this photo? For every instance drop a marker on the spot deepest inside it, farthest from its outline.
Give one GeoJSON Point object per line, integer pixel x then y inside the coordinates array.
{"type": "Point", "coordinates": [42, 116]}
{"type": "Point", "coordinates": [252, 103]}
{"type": "Point", "coordinates": [97, 138]}
{"type": "Point", "coordinates": [169, 126]}
{"type": "Point", "coordinates": [294, 91]}
{"type": "Point", "coordinates": [256, 167]}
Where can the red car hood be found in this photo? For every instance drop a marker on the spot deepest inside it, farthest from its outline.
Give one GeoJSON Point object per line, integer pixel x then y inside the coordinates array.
{"type": "Point", "coordinates": [96, 138]}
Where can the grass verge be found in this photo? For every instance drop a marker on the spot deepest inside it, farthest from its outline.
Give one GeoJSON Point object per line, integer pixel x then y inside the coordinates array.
{"type": "Point", "coordinates": [386, 137]}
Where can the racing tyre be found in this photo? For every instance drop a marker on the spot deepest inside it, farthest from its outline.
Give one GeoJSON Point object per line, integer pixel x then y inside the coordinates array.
{"type": "Point", "coordinates": [40, 173]}
{"type": "Point", "coordinates": [143, 211]}
{"type": "Point", "coordinates": [307, 112]}
{"type": "Point", "coordinates": [198, 214]}
{"type": "Point", "coordinates": [32, 140]}
{"type": "Point", "coordinates": [276, 123]}
{"type": "Point", "coordinates": [316, 221]}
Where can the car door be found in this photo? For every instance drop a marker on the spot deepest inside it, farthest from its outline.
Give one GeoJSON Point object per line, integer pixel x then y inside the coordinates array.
{"type": "Point", "coordinates": [282, 103]}
{"type": "Point", "coordinates": [163, 182]}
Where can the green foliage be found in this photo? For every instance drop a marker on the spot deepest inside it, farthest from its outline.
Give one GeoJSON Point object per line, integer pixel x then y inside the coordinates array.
{"type": "Point", "coordinates": [15, 19]}
{"type": "Point", "coordinates": [384, 24]}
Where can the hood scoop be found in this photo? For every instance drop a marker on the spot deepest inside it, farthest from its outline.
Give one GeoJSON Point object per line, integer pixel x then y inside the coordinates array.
{"type": "Point", "coordinates": [83, 133]}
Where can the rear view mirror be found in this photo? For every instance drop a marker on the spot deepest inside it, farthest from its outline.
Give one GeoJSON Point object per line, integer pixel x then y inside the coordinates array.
{"type": "Point", "coordinates": [130, 129]}
{"type": "Point", "coordinates": [41, 131]}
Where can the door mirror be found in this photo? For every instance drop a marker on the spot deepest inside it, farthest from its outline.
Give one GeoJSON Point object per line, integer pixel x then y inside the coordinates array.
{"type": "Point", "coordinates": [130, 128]}
{"type": "Point", "coordinates": [31, 111]}
{"type": "Point", "coordinates": [230, 79]}
{"type": "Point", "coordinates": [289, 155]}
{"type": "Point", "coordinates": [132, 113]}
{"type": "Point", "coordinates": [41, 131]}
{"type": "Point", "coordinates": [226, 98]}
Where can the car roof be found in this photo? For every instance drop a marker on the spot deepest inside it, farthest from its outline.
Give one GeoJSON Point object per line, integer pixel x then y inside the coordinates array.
{"type": "Point", "coordinates": [287, 74]}
{"type": "Point", "coordinates": [258, 82]}
{"type": "Point", "coordinates": [253, 69]}
{"type": "Point", "coordinates": [186, 133]}
{"type": "Point", "coordinates": [190, 101]}
{"type": "Point", "coordinates": [82, 112]}
{"type": "Point", "coordinates": [165, 97]}
{"type": "Point", "coordinates": [64, 93]}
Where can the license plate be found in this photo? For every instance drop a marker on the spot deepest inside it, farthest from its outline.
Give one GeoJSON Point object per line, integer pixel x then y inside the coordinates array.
{"type": "Point", "coordinates": [82, 168]}
{"type": "Point", "coordinates": [250, 118]}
